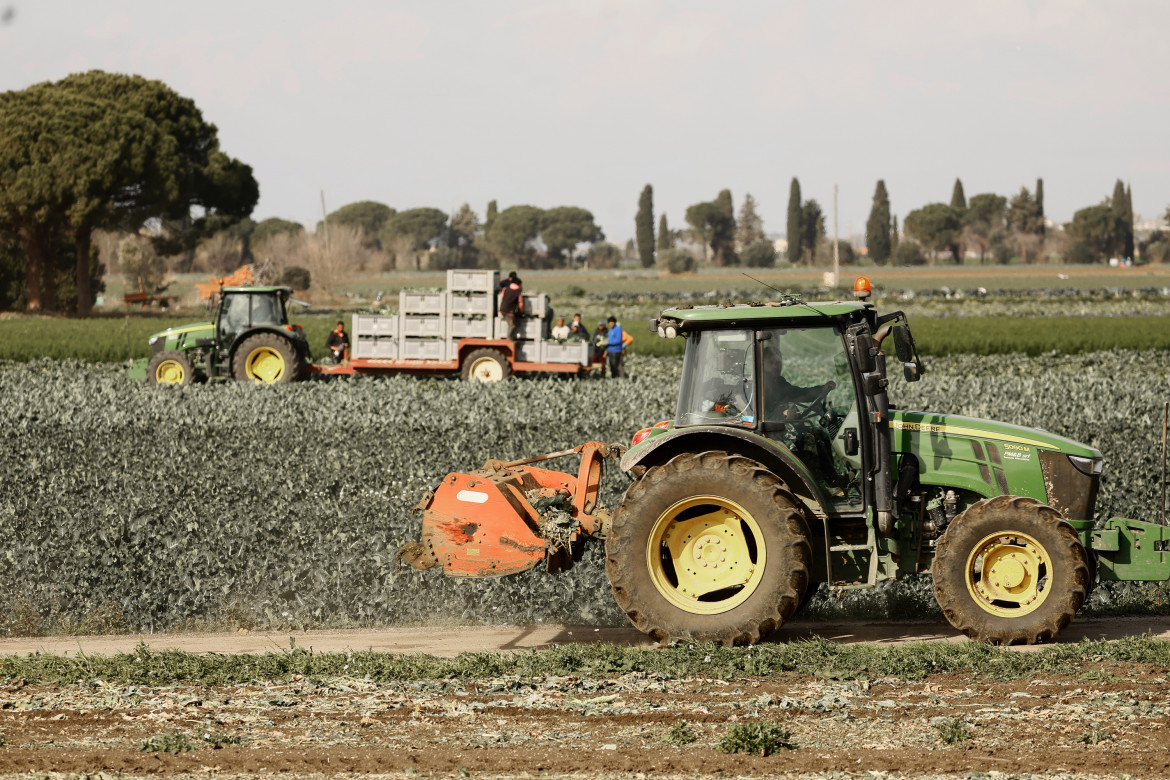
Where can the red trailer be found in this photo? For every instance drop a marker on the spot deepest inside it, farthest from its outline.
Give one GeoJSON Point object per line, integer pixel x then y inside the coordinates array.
{"type": "Point", "coordinates": [474, 359]}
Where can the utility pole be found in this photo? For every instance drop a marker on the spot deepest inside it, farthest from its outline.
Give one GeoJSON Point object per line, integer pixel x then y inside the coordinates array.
{"type": "Point", "coordinates": [325, 221]}
{"type": "Point", "coordinates": [831, 276]}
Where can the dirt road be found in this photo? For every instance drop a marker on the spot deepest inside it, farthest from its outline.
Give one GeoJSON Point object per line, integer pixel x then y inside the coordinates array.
{"type": "Point", "coordinates": [448, 641]}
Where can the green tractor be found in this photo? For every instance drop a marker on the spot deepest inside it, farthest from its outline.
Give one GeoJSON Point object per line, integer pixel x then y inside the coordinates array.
{"type": "Point", "coordinates": [251, 339]}
{"type": "Point", "coordinates": [786, 466]}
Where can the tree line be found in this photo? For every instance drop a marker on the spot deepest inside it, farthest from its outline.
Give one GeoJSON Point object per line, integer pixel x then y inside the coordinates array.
{"type": "Point", "coordinates": [988, 227]}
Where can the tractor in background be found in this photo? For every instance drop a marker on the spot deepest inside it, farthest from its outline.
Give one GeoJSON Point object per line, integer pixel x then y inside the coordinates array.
{"type": "Point", "coordinates": [250, 339]}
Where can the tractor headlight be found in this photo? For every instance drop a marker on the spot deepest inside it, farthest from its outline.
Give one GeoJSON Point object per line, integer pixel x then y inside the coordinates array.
{"type": "Point", "coordinates": [1089, 466]}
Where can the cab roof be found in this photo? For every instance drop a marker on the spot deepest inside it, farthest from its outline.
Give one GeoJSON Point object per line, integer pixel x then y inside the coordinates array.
{"type": "Point", "coordinates": [788, 309]}
{"type": "Point", "coordinates": [250, 289]}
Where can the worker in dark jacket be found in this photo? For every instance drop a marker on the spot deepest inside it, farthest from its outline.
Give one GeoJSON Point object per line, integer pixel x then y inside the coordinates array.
{"type": "Point", "coordinates": [512, 302]}
{"type": "Point", "coordinates": [600, 342]}
{"type": "Point", "coordinates": [338, 343]}
{"type": "Point", "coordinates": [616, 349]}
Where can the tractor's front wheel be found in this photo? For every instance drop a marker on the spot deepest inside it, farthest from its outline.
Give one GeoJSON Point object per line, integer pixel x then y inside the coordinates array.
{"type": "Point", "coordinates": [268, 358]}
{"type": "Point", "coordinates": [170, 367]}
{"type": "Point", "coordinates": [709, 546]}
{"type": "Point", "coordinates": [1009, 570]}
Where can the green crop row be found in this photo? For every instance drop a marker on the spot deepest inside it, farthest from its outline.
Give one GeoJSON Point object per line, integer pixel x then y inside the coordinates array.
{"type": "Point", "coordinates": [108, 340]}
{"type": "Point", "coordinates": [130, 507]}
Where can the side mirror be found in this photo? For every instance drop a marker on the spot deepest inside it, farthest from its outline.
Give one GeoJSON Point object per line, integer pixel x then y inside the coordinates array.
{"type": "Point", "coordinates": [911, 372]}
{"type": "Point", "coordinates": [903, 344]}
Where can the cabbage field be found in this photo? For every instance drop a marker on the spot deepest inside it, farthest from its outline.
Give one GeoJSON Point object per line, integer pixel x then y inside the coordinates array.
{"type": "Point", "coordinates": [129, 507]}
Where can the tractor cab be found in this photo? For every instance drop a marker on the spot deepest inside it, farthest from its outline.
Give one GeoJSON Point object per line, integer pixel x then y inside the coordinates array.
{"type": "Point", "coordinates": [242, 309]}
{"type": "Point", "coordinates": [800, 387]}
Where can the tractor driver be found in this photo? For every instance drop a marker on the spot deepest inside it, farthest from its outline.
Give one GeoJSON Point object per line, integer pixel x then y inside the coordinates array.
{"type": "Point", "coordinates": [780, 395]}
{"type": "Point", "coordinates": [805, 408]}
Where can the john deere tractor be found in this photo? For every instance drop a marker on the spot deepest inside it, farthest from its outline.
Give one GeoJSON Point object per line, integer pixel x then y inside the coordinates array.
{"type": "Point", "coordinates": [250, 339]}
{"type": "Point", "coordinates": [785, 466]}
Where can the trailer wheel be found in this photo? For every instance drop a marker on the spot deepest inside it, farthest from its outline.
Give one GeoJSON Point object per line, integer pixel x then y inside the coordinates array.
{"type": "Point", "coordinates": [486, 365]}
{"type": "Point", "coordinates": [1010, 570]}
{"type": "Point", "coordinates": [268, 358]}
{"type": "Point", "coordinates": [170, 367]}
{"type": "Point", "coordinates": [708, 546]}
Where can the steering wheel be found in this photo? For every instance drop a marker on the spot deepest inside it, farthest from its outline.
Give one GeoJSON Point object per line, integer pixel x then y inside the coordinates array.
{"type": "Point", "coordinates": [806, 410]}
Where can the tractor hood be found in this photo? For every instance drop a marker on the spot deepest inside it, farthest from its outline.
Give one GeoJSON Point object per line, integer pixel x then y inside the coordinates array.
{"type": "Point", "coordinates": [175, 338]}
{"type": "Point", "coordinates": [939, 431]}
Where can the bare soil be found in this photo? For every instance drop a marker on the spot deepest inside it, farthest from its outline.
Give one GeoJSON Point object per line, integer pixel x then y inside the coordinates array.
{"type": "Point", "coordinates": [1105, 719]}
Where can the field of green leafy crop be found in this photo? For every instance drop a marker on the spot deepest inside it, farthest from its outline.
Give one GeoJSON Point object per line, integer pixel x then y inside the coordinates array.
{"type": "Point", "coordinates": [132, 507]}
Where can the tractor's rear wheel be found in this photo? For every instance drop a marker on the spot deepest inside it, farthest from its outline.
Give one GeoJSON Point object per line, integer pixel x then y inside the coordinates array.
{"type": "Point", "coordinates": [708, 546]}
{"type": "Point", "coordinates": [486, 365]}
{"type": "Point", "coordinates": [267, 358]}
{"type": "Point", "coordinates": [1009, 570]}
{"type": "Point", "coordinates": [170, 367]}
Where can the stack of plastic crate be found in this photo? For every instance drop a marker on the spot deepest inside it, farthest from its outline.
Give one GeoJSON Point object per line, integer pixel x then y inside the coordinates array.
{"type": "Point", "coordinates": [422, 325]}
{"type": "Point", "coordinates": [471, 306]}
{"type": "Point", "coordinates": [374, 336]}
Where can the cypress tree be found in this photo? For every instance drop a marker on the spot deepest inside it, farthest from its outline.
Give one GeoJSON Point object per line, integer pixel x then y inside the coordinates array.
{"type": "Point", "coordinates": [723, 233]}
{"type": "Point", "coordinates": [794, 222]}
{"type": "Point", "coordinates": [665, 239]}
{"type": "Point", "coordinates": [1040, 202]}
{"type": "Point", "coordinates": [877, 228]}
{"type": "Point", "coordinates": [958, 199]}
{"type": "Point", "coordinates": [1123, 246]}
{"type": "Point", "coordinates": [492, 211]}
{"type": "Point", "coordinates": [894, 236]}
{"type": "Point", "coordinates": [1129, 248]}
{"type": "Point", "coordinates": [644, 226]}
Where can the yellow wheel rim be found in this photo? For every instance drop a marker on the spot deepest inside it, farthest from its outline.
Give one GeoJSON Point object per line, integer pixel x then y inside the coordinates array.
{"type": "Point", "coordinates": [486, 370]}
{"type": "Point", "coordinates": [1008, 574]}
{"type": "Point", "coordinates": [265, 364]}
{"type": "Point", "coordinates": [170, 372]}
{"type": "Point", "coordinates": [706, 555]}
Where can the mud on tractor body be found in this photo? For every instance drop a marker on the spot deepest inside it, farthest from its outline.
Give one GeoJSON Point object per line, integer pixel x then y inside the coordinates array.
{"type": "Point", "coordinates": [786, 466]}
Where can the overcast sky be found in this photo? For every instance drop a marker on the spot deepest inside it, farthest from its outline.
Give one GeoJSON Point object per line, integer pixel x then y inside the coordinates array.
{"type": "Point", "coordinates": [437, 103]}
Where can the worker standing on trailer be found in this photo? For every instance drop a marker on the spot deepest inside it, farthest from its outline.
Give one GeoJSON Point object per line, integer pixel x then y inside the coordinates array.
{"type": "Point", "coordinates": [338, 342]}
{"type": "Point", "coordinates": [600, 343]}
{"type": "Point", "coordinates": [512, 302]}
{"type": "Point", "coordinates": [616, 349]}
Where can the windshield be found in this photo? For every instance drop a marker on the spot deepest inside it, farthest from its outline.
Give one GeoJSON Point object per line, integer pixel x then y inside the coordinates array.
{"type": "Point", "coordinates": [718, 378]}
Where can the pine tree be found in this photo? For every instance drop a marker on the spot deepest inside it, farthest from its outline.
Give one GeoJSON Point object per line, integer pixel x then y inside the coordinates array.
{"type": "Point", "coordinates": [958, 199]}
{"type": "Point", "coordinates": [877, 228]}
{"type": "Point", "coordinates": [794, 222]}
{"type": "Point", "coordinates": [665, 239]}
{"type": "Point", "coordinates": [750, 227]}
{"type": "Point", "coordinates": [1040, 202]}
{"type": "Point", "coordinates": [723, 235]}
{"type": "Point", "coordinates": [644, 226]}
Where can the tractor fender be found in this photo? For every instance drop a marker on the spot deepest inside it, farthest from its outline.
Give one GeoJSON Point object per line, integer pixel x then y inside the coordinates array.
{"type": "Point", "coordinates": [704, 438]}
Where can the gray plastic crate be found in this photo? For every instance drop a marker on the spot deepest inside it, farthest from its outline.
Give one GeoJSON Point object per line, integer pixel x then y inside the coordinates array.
{"type": "Point", "coordinates": [422, 349]}
{"type": "Point", "coordinates": [411, 302]}
{"type": "Point", "coordinates": [579, 352]}
{"type": "Point", "coordinates": [528, 351]}
{"type": "Point", "coordinates": [468, 280]}
{"type": "Point", "coordinates": [527, 328]}
{"type": "Point", "coordinates": [374, 325]}
{"type": "Point", "coordinates": [371, 347]}
{"type": "Point", "coordinates": [452, 349]}
{"type": "Point", "coordinates": [469, 328]}
{"type": "Point", "coordinates": [483, 304]}
{"type": "Point", "coordinates": [535, 304]}
{"type": "Point", "coordinates": [424, 325]}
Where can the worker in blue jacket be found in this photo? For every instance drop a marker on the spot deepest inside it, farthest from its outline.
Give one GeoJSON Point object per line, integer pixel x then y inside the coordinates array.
{"type": "Point", "coordinates": [616, 349]}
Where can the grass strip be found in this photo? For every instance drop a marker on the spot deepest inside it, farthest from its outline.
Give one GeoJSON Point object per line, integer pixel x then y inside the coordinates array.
{"type": "Point", "coordinates": [814, 657]}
